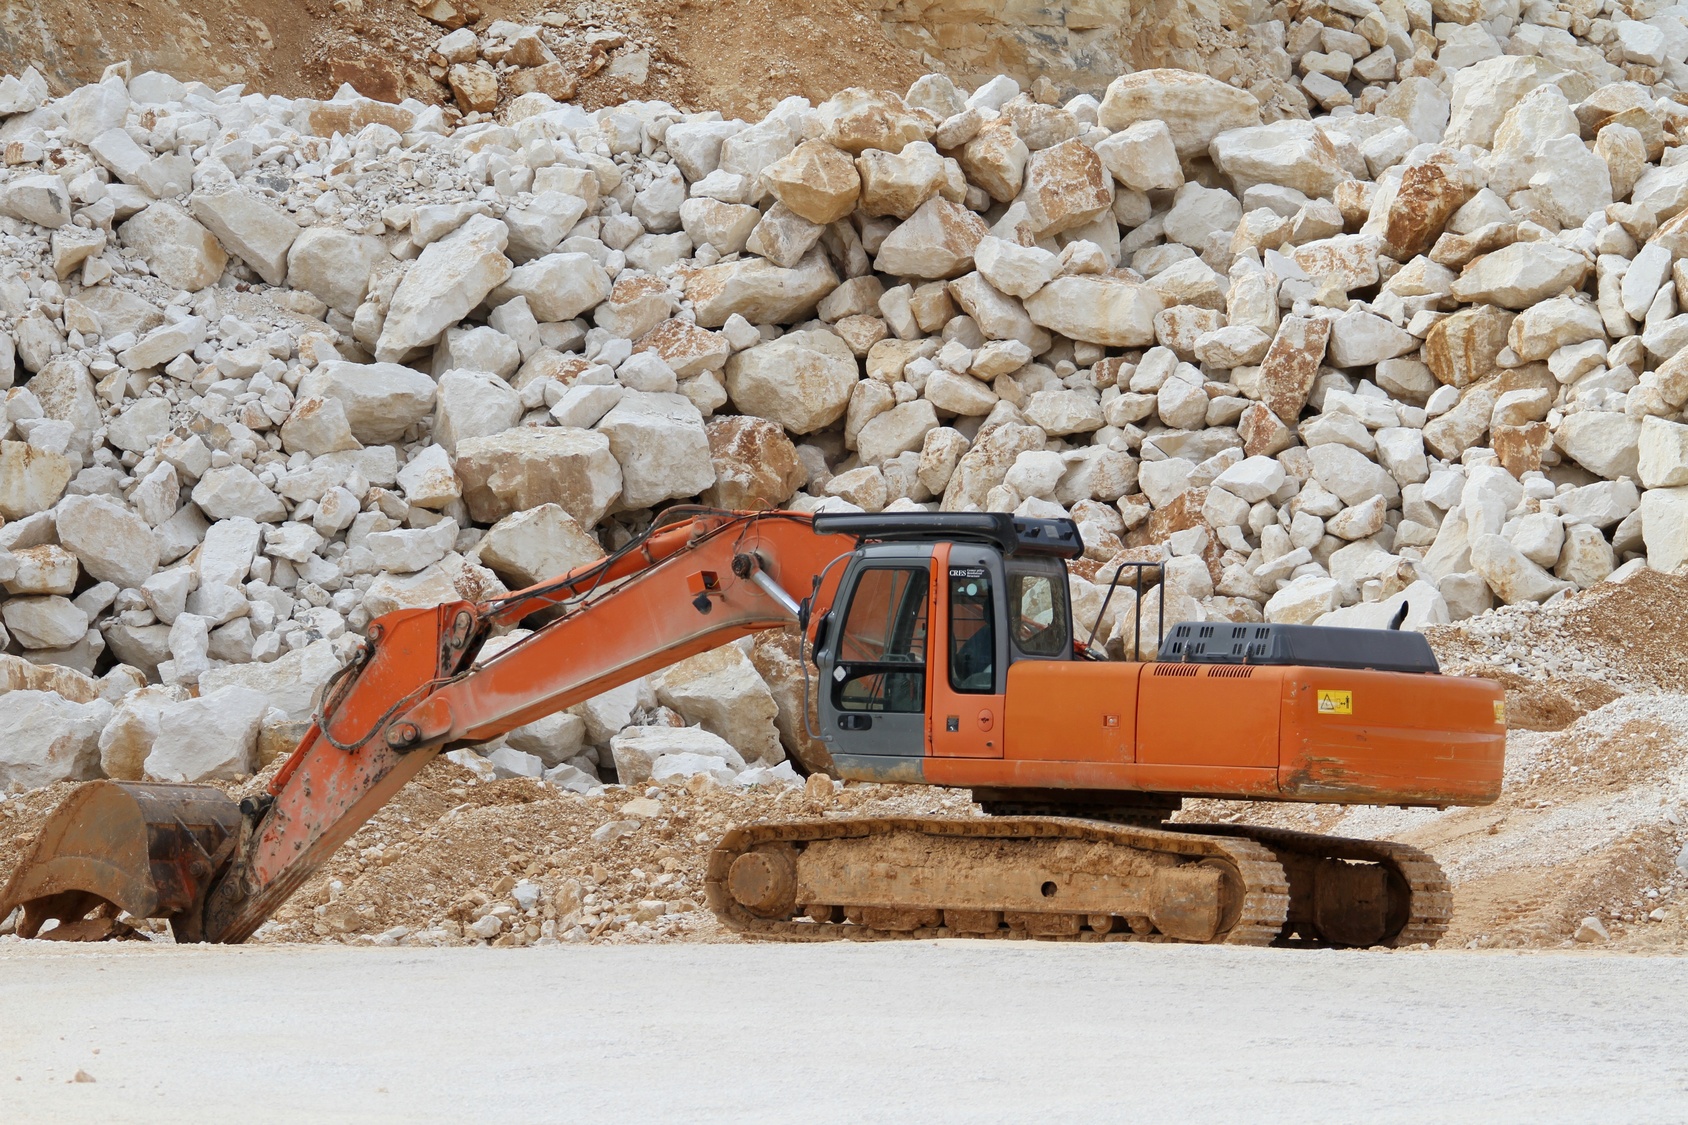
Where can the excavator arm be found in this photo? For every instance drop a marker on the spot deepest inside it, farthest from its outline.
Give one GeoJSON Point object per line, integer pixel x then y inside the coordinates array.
{"type": "Point", "coordinates": [417, 687]}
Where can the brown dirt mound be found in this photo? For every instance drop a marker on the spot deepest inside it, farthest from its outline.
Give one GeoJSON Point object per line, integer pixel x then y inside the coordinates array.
{"type": "Point", "coordinates": [737, 56]}
{"type": "Point", "coordinates": [1560, 663]}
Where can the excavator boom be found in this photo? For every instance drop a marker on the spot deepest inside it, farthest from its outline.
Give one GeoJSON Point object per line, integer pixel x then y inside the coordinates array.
{"type": "Point", "coordinates": [415, 689]}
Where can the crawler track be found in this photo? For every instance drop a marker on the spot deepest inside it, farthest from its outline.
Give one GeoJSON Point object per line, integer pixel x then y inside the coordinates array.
{"type": "Point", "coordinates": [1253, 896]}
{"type": "Point", "coordinates": [1425, 901]}
{"type": "Point", "coordinates": [931, 877]}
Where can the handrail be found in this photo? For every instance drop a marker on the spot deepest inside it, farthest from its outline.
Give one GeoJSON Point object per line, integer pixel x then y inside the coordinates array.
{"type": "Point", "coordinates": [1137, 609]}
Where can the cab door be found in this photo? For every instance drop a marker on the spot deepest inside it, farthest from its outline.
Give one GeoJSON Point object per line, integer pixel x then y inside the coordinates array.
{"type": "Point", "coordinates": [873, 663]}
{"type": "Point", "coordinates": [969, 678]}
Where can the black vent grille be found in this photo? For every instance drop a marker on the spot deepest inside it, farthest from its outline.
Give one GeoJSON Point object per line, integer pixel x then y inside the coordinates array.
{"type": "Point", "coordinates": [1311, 646]}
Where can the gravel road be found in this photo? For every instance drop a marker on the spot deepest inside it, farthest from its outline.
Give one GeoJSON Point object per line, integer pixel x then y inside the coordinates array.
{"type": "Point", "coordinates": [956, 1031]}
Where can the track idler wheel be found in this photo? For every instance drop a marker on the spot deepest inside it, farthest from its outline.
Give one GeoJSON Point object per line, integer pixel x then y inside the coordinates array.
{"type": "Point", "coordinates": [150, 851]}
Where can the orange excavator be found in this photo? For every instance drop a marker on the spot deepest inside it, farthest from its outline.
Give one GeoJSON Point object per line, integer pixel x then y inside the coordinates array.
{"type": "Point", "coordinates": [946, 655]}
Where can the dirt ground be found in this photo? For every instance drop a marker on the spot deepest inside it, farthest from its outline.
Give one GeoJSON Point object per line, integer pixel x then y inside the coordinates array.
{"type": "Point", "coordinates": [936, 1032]}
{"type": "Point", "coordinates": [736, 56]}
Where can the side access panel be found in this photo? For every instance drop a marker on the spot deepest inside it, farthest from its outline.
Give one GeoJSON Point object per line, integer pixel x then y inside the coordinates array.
{"type": "Point", "coordinates": [1184, 729]}
{"type": "Point", "coordinates": [1072, 711]}
{"type": "Point", "coordinates": [1210, 727]}
{"type": "Point", "coordinates": [1356, 736]}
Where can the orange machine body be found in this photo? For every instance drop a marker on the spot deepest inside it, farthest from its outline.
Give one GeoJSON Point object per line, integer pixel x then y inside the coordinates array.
{"type": "Point", "coordinates": [1249, 732]}
{"type": "Point", "coordinates": [1256, 732]}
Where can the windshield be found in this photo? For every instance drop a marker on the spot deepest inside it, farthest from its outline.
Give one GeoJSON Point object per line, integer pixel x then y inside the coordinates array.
{"type": "Point", "coordinates": [1037, 607]}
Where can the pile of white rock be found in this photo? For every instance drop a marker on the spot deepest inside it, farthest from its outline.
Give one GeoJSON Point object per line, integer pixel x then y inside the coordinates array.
{"type": "Point", "coordinates": [276, 367]}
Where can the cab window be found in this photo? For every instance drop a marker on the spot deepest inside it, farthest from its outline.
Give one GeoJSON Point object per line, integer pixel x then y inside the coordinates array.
{"type": "Point", "coordinates": [882, 652]}
{"type": "Point", "coordinates": [1037, 611]}
{"type": "Point", "coordinates": [972, 630]}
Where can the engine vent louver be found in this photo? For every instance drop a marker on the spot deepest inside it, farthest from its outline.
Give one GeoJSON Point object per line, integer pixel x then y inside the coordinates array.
{"type": "Point", "coordinates": [1313, 646]}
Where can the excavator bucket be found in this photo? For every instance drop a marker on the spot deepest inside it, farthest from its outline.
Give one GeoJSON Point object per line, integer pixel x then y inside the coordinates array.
{"type": "Point", "coordinates": [122, 846]}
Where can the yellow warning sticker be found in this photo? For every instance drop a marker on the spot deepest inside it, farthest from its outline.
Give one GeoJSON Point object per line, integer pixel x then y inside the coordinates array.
{"type": "Point", "coordinates": [1335, 702]}
{"type": "Point", "coordinates": [1500, 711]}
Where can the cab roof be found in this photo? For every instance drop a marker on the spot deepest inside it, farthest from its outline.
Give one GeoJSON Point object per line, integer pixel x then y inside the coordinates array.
{"type": "Point", "coordinates": [1010, 534]}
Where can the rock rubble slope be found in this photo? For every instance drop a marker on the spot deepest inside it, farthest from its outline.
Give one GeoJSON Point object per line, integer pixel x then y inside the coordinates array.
{"type": "Point", "coordinates": [1402, 327]}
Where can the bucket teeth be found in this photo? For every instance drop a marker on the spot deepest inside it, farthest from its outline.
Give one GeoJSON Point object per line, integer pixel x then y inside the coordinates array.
{"type": "Point", "coordinates": [149, 851]}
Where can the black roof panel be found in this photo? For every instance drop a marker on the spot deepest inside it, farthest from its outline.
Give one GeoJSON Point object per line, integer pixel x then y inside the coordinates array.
{"type": "Point", "coordinates": [1012, 535]}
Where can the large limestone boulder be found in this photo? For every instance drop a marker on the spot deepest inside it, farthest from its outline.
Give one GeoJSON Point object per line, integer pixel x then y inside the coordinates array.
{"type": "Point", "coordinates": [40, 199]}
{"type": "Point", "coordinates": [557, 286]}
{"type": "Point", "coordinates": [451, 579]}
{"type": "Point", "coordinates": [127, 737]}
{"type": "Point", "coordinates": [1664, 528]}
{"type": "Point", "coordinates": [816, 180]}
{"type": "Point", "coordinates": [1482, 94]}
{"type": "Point", "coordinates": [778, 661]}
{"type": "Point", "coordinates": [1066, 186]}
{"type": "Point", "coordinates": [1350, 474]}
{"type": "Point", "coordinates": [1097, 309]}
{"type": "Point", "coordinates": [213, 737]}
{"type": "Point", "coordinates": [1605, 443]}
{"type": "Point", "coordinates": [45, 738]}
{"type": "Point", "coordinates": [659, 440]}
{"type": "Point", "coordinates": [756, 466]}
{"type": "Point", "coordinates": [1195, 108]}
{"type": "Point", "coordinates": [112, 543]}
{"type": "Point", "coordinates": [936, 241]}
{"type": "Point", "coordinates": [428, 481]}
{"type": "Point", "coordinates": [472, 404]}
{"type": "Point", "coordinates": [687, 349]}
{"type": "Point", "coordinates": [318, 426]}
{"type": "Point", "coordinates": [720, 691]}
{"type": "Point", "coordinates": [182, 253]}
{"type": "Point", "coordinates": [1663, 453]}
{"type": "Point", "coordinates": [760, 291]}
{"type": "Point", "coordinates": [289, 684]}
{"type": "Point", "coordinates": [526, 467]}
{"type": "Point", "coordinates": [1142, 157]}
{"type": "Point", "coordinates": [526, 548]}
{"type": "Point", "coordinates": [1520, 275]}
{"type": "Point", "coordinates": [1509, 573]}
{"type": "Point", "coordinates": [1427, 196]}
{"type": "Point", "coordinates": [380, 400]}
{"type": "Point", "coordinates": [333, 265]}
{"type": "Point", "coordinates": [46, 621]}
{"type": "Point", "coordinates": [984, 466]}
{"type": "Point", "coordinates": [249, 227]}
{"type": "Point", "coordinates": [1304, 600]}
{"type": "Point", "coordinates": [641, 754]}
{"type": "Point", "coordinates": [901, 429]}
{"type": "Point", "coordinates": [1290, 153]}
{"type": "Point", "coordinates": [1464, 346]}
{"type": "Point", "coordinates": [857, 119]}
{"type": "Point", "coordinates": [445, 283]}
{"type": "Point", "coordinates": [31, 479]}
{"type": "Point", "coordinates": [995, 159]}
{"type": "Point", "coordinates": [895, 184]}
{"type": "Point", "coordinates": [18, 674]}
{"type": "Point", "coordinates": [802, 380]}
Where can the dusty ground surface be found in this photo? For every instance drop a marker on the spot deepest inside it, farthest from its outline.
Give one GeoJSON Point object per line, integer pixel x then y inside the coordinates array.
{"type": "Point", "coordinates": [905, 1031]}
{"type": "Point", "coordinates": [737, 56]}
{"type": "Point", "coordinates": [446, 850]}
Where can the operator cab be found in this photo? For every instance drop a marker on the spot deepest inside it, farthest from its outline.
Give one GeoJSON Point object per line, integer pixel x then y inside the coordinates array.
{"type": "Point", "coordinates": [932, 609]}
